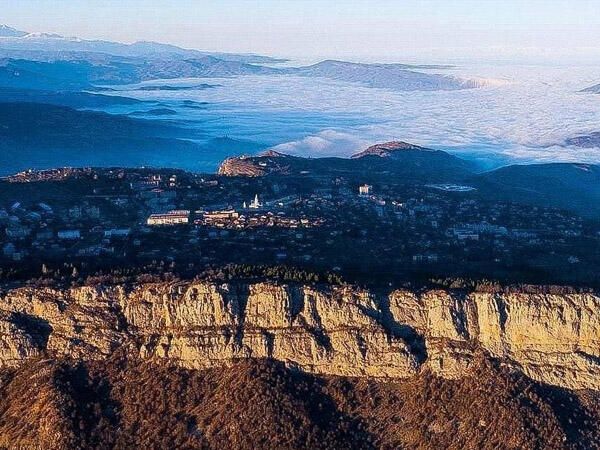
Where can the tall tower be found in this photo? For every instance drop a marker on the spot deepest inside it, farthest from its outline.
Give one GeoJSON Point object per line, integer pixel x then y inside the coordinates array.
{"type": "Point", "coordinates": [255, 204]}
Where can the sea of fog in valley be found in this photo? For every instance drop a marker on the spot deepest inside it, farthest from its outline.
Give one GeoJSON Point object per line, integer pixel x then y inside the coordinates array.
{"type": "Point", "coordinates": [507, 107]}
{"type": "Point", "coordinates": [523, 114]}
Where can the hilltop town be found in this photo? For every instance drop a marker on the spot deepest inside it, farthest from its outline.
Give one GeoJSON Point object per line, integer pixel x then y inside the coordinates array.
{"type": "Point", "coordinates": [365, 224]}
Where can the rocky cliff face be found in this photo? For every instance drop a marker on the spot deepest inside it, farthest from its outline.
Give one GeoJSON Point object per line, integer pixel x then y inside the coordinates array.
{"type": "Point", "coordinates": [270, 162]}
{"type": "Point", "coordinates": [388, 149]}
{"type": "Point", "coordinates": [337, 330]}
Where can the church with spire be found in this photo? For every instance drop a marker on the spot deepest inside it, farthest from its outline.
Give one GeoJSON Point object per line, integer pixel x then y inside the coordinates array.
{"type": "Point", "coordinates": [255, 204]}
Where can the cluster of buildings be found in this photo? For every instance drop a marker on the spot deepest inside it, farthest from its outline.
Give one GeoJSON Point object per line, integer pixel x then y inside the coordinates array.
{"type": "Point", "coordinates": [175, 217]}
{"type": "Point", "coordinates": [472, 231]}
{"type": "Point", "coordinates": [89, 216]}
{"type": "Point", "coordinates": [63, 173]}
{"type": "Point", "coordinates": [428, 226]}
{"type": "Point", "coordinates": [323, 222]}
{"type": "Point", "coordinates": [252, 215]}
{"type": "Point", "coordinates": [234, 220]}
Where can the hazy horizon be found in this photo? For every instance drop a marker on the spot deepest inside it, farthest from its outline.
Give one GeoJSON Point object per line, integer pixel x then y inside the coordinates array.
{"type": "Point", "coordinates": [413, 31]}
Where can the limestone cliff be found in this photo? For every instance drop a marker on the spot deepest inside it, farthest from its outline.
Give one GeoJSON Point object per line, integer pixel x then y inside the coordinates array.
{"type": "Point", "coordinates": [327, 330]}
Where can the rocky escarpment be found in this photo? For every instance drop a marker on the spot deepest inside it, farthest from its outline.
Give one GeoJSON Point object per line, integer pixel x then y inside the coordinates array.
{"type": "Point", "coordinates": [240, 166]}
{"type": "Point", "coordinates": [327, 330]}
{"type": "Point", "coordinates": [270, 162]}
{"type": "Point", "coordinates": [388, 149]}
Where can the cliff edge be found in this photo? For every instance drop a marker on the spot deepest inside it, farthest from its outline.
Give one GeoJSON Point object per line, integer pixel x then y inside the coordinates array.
{"type": "Point", "coordinates": [345, 331]}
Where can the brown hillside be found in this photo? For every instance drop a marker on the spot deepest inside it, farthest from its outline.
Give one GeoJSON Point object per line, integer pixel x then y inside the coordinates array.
{"type": "Point", "coordinates": [262, 405]}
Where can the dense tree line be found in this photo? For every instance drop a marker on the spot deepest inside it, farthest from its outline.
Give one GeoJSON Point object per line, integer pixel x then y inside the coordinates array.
{"type": "Point", "coordinates": [105, 270]}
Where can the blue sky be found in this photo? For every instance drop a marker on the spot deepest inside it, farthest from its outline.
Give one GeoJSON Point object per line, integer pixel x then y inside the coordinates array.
{"type": "Point", "coordinates": [373, 28]}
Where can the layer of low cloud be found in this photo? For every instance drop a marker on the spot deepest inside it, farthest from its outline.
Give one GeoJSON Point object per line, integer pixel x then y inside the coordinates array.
{"type": "Point", "coordinates": [526, 118]}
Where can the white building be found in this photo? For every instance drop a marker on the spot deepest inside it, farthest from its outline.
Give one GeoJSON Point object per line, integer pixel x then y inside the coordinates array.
{"type": "Point", "coordinates": [365, 189]}
{"type": "Point", "coordinates": [181, 217]}
{"type": "Point", "coordinates": [221, 215]}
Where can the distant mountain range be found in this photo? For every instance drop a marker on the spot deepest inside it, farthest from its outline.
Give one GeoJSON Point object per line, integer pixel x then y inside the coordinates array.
{"type": "Point", "coordinates": [89, 70]}
{"type": "Point", "coordinates": [88, 73]}
{"type": "Point", "coordinates": [591, 140]}
{"type": "Point", "coordinates": [43, 135]}
{"type": "Point", "coordinates": [16, 40]}
{"type": "Point", "coordinates": [54, 62]}
{"type": "Point", "coordinates": [6, 31]}
{"type": "Point", "coordinates": [592, 89]}
{"type": "Point", "coordinates": [50, 61]}
{"type": "Point", "coordinates": [388, 76]}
